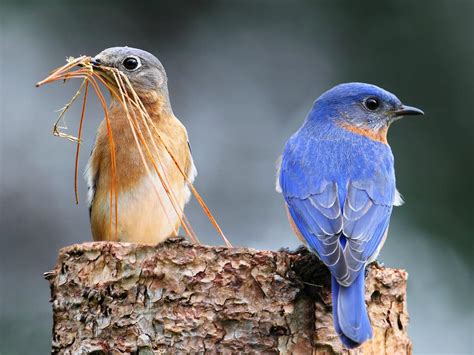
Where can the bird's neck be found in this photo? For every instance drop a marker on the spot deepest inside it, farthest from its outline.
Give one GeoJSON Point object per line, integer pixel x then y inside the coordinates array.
{"type": "Point", "coordinates": [375, 134]}
{"type": "Point", "coordinates": [158, 115]}
{"type": "Point", "coordinates": [332, 128]}
{"type": "Point", "coordinates": [334, 122]}
{"type": "Point", "coordinates": [156, 104]}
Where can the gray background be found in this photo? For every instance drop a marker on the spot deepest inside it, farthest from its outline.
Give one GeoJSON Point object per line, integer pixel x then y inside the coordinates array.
{"type": "Point", "coordinates": [242, 75]}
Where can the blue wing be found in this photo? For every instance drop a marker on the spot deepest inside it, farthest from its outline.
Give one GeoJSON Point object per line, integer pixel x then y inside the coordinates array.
{"type": "Point", "coordinates": [344, 235]}
{"type": "Point", "coordinates": [340, 203]}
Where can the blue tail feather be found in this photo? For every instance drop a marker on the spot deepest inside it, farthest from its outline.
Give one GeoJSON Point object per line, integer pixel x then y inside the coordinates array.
{"type": "Point", "coordinates": [351, 321]}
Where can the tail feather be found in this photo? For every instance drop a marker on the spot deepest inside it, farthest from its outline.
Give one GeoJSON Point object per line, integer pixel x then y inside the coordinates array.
{"type": "Point", "coordinates": [348, 343]}
{"type": "Point", "coordinates": [351, 321]}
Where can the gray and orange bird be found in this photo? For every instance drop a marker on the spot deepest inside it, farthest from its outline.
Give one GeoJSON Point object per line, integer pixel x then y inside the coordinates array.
{"type": "Point", "coordinates": [143, 218]}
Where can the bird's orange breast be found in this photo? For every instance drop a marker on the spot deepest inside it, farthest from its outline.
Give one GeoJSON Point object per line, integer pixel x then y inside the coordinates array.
{"type": "Point", "coordinates": [145, 211]}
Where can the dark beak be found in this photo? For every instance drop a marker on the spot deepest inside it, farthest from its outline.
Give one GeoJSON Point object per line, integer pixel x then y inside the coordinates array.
{"type": "Point", "coordinates": [408, 111]}
{"type": "Point", "coordinates": [96, 62]}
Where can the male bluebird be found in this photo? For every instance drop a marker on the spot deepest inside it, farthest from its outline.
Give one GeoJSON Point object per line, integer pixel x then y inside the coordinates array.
{"type": "Point", "coordinates": [141, 216]}
{"type": "Point", "coordinates": [338, 180]}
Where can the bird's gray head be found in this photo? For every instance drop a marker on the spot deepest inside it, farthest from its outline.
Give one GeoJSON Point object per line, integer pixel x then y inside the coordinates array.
{"type": "Point", "coordinates": [144, 71]}
{"type": "Point", "coordinates": [362, 105]}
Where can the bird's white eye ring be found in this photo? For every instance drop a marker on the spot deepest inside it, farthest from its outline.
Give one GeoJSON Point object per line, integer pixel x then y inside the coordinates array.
{"type": "Point", "coordinates": [372, 103]}
{"type": "Point", "coordinates": [132, 63]}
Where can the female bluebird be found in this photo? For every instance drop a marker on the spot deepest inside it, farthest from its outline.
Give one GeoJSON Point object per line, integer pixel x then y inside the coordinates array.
{"type": "Point", "coordinates": [142, 218]}
{"type": "Point", "coordinates": [338, 180]}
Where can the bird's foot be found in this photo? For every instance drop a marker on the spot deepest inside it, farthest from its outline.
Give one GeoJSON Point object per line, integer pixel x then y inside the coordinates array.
{"type": "Point", "coordinates": [175, 239]}
{"type": "Point", "coordinates": [299, 250]}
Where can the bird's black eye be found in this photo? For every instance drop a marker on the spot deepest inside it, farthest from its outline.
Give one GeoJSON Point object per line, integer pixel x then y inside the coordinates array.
{"type": "Point", "coordinates": [131, 63]}
{"type": "Point", "coordinates": [372, 103]}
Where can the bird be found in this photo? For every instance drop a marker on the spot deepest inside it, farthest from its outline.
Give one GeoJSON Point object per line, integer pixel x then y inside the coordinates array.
{"type": "Point", "coordinates": [337, 178]}
{"type": "Point", "coordinates": [142, 218]}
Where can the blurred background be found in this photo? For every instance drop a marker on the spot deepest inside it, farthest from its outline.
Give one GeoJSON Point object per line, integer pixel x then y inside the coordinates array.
{"type": "Point", "coordinates": [242, 76]}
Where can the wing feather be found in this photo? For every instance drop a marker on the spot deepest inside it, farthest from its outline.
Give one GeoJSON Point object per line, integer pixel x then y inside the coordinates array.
{"type": "Point", "coordinates": [322, 222]}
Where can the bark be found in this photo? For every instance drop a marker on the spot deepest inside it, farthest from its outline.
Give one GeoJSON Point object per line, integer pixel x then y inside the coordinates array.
{"type": "Point", "coordinates": [177, 297]}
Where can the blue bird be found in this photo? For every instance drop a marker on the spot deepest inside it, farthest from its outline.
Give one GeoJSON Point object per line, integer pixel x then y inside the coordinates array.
{"type": "Point", "coordinates": [338, 180]}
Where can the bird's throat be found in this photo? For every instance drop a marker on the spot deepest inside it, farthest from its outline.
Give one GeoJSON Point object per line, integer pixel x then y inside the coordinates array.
{"type": "Point", "coordinates": [379, 135]}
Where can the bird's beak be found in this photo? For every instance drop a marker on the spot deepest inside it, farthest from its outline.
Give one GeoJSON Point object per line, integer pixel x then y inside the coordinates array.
{"type": "Point", "coordinates": [96, 62]}
{"type": "Point", "coordinates": [408, 111]}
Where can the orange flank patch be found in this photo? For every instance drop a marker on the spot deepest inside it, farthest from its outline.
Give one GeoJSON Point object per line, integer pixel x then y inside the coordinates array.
{"type": "Point", "coordinates": [379, 136]}
{"type": "Point", "coordinates": [293, 226]}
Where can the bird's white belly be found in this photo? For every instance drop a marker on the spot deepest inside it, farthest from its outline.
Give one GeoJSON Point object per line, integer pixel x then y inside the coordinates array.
{"type": "Point", "coordinates": [146, 213]}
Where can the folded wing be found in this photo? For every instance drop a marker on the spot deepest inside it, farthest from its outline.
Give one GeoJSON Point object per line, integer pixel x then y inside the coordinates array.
{"type": "Point", "coordinates": [344, 234]}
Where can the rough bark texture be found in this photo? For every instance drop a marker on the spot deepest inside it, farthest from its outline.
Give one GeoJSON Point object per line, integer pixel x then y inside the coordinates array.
{"type": "Point", "coordinates": [176, 297]}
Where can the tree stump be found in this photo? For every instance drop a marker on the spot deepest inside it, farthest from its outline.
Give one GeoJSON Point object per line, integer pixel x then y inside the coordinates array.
{"type": "Point", "coordinates": [112, 298]}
